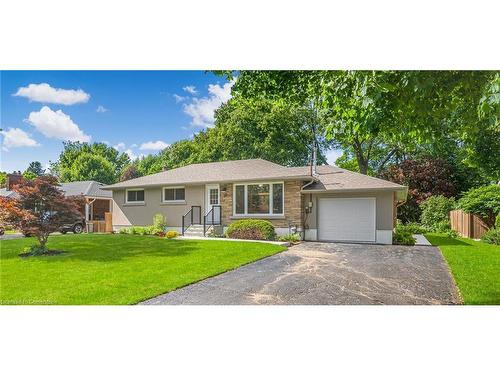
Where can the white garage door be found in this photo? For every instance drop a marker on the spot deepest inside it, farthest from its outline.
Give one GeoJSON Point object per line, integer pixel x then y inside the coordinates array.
{"type": "Point", "coordinates": [346, 219]}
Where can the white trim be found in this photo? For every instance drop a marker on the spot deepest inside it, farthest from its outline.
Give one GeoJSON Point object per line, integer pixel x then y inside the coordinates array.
{"type": "Point", "coordinates": [311, 235]}
{"type": "Point", "coordinates": [134, 202]}
{"type": "Point", "coordinates": [208, 206]}
{"type": "Point", "coordinates": [178, 201]}
{"type": "Point", "coordinates": [384, 237]}
{"type": "Point", "coordinates": [245, 196]}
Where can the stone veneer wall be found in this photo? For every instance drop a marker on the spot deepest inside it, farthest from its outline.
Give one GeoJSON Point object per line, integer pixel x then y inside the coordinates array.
{"type": "Point", "coordinates": [293, 205]}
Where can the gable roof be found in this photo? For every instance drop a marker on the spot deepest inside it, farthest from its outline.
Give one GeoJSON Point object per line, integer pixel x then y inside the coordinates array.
{"type": "Point", "coordinates": [328, 178]}
{"type": "Point", "coordinates": [86, 188]}
{"type": "Point", "coordinates": [224, 171]}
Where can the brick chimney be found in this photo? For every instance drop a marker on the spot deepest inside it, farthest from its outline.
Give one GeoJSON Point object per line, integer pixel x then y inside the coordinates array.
{"type": "Point", "coordinates": [13, 179]}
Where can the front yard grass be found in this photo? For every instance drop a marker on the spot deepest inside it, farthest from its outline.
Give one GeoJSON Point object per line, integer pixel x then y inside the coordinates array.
{"type": "Point", "coordinates": [115, 269]}
{"type": "Point", "coordinates": [475, 266]}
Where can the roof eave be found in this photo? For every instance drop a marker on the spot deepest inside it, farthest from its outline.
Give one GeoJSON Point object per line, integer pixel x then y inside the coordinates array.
{"type": "Point", "coordinates": [353, 190]}
{"type": "Point", "coordinates": [286, 178]}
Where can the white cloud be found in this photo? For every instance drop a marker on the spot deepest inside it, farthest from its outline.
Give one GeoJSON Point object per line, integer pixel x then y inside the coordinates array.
{"type": "Point", "coordinates": [101, 109]}
{"type": "Point", "coordinates": [179, 99]}
{"type": "Point", "coordinates": [15, 137]}
{"type": "Point", "coordinates": [44, 93]}
{"type": "Point", "coordinates": [332, 156]}
{"type": "Point", "coordinates": [190, 89]}
{"type": "Point", "coordinates": [202, 110]}
{"type": "Point", "coordinates": [119, 147]}
{"type": "Point", "coordinates": [56, 125]}
{"type": "Point", "coordinates": [133, 145]}
{"type": "Point", "coordinates": [131, 154]}
{"type": "Point", "coordinates": [154, 146]}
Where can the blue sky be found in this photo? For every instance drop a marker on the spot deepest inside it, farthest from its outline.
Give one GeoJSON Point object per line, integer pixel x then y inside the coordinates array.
{"type": "Point", "coordinates": [137, 112]}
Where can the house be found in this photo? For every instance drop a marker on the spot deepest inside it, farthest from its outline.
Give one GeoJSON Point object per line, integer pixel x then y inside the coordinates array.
{"type": "Point", "coordinates": [324, 203]}
{"type": "Point", "coordinates": [97, 200]}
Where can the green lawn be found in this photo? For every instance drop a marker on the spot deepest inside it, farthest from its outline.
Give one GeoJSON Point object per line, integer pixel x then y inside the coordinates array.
{"type": "Point", "coordinates": [475, 266]}
{"type": "Point", "coordinates": [115, 269]}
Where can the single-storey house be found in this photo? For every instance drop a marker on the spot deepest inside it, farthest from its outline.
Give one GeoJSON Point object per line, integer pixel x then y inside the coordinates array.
{"type": "Point", "coordinates": [97, 200]}
{"type": "Point", "coordinates": [323, 203]}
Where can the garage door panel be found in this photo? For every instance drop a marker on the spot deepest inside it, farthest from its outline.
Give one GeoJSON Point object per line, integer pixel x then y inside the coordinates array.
{"type": "Point", "coordinates": [346, 219]}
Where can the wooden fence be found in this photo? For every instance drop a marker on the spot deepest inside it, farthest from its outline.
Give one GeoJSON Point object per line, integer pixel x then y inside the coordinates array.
{"type": "Point", "coordinates": [467, 225]}
{"type": "Point", "coordinates": [101, 226]}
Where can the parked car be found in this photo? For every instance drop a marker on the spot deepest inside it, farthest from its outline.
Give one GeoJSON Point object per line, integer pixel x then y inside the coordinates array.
{"type": "Point", "coordinates": [75, 225]}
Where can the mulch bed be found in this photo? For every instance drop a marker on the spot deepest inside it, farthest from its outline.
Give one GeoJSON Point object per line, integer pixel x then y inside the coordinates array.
{"type": "Point", "coordinates": [47, 253]}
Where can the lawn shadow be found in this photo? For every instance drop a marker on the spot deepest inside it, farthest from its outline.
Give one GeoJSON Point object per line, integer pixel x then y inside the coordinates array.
{"type": "Point", "coordinates": [110, 251]}
{"type": "Point", "coordinates": [447, 241]}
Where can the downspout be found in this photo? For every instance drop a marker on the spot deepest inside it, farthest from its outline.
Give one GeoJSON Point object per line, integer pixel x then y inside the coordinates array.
{"type": "Point", "coordinates": [304, 220]}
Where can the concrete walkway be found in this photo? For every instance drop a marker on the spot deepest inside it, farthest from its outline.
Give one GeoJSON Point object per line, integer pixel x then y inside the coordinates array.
{"type": "Point", "coordinates": [329, 274]}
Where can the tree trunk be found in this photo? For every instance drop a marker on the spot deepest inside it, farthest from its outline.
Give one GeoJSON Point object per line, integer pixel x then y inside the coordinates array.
{"type": "Point", "coordinates": [362, 161]}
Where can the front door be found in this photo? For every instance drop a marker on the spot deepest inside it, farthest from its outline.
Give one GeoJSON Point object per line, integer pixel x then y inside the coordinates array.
{"type": "Point", "coordinates": [213, 204]}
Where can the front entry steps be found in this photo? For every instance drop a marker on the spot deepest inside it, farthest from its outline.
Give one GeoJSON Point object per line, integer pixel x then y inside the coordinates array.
{"type": "Point", "coordinates": [195, 230]}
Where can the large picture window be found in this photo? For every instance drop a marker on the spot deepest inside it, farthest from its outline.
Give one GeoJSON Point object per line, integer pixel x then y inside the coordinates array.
{"type": "Point", "coordinates": [174, 194]}
{"type": "Point", "coordinates": [135, 196]}
{"type": "Point", "coordinates": [258, 199]}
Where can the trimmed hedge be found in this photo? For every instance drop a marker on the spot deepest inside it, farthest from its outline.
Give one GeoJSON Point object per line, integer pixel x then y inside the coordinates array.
{"type": "Point", "coordinates": [251, 229]}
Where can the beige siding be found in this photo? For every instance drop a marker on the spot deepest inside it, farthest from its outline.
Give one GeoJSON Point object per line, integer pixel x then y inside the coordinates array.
{"type": "Point", "coordinates": [128, 214]}
{"type": "Point", "coordinates": [384, 207]}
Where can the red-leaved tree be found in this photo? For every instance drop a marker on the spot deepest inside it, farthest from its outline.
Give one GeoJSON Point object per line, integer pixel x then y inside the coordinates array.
{"type": "Point", "coordinates": [424, 177]}
{"type": "Point", "coordinates": [40, 209]}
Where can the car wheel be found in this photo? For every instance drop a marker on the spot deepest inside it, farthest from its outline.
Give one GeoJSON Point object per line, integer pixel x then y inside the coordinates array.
{"type": "Point", "coordinates": [78, 228]}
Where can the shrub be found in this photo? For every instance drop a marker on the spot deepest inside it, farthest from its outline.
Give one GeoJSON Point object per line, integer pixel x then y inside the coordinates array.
{"type": "Point", "coordinates": [142, 231]}
{"type": "Point", "coordinates": [415, 228]}
{"type": "Point", "coordinates": [403, 236]}
{"type": "Point", "coordinates": [497, 221]}
{"type": "Point", "coordinates": [159, 222]}
{"type": "Point", "coordinates": [172, 234]}
{"type": "Point", "coordinates": [292, 237]}
{"type": "Point", "coordinates": [483, 201]}
{"type": "Point", "coordinates": [492, 236]}
{"type": "Point", "coordinates": [435, 212]}
{"type": "Point", "coordinates": [251, 229]}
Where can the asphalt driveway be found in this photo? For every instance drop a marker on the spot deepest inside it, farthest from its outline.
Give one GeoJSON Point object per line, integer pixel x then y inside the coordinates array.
{"type": "Point", "coordinates": [329, 274]}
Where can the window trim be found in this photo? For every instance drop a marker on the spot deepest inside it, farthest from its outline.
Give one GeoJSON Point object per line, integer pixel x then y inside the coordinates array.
{"type": "Point", "coordinates": [163, 200]}
{"type": "Point", "coordinates": [245, 197]}
{"type": "Point", "coordinates": [134, 202]}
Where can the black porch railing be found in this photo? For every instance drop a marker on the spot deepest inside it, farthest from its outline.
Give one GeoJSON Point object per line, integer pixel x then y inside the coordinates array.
{"type": "Point", "coordinates": [193, 216]}
{"type": "Point", "coordinates": [213, 217]}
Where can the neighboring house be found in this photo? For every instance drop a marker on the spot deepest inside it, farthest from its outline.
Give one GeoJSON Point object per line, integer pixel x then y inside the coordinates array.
{"type": "Point", "coordinates": [97, 200]}
{"type": "Point", "coordinates": [328, 204]}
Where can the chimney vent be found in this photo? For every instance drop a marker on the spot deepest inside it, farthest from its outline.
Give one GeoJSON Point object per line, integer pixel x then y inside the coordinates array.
{"type": "Point", "coordinates": [13, 179]}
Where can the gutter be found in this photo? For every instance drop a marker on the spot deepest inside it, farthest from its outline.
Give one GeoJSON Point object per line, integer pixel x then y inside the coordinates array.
{"type": "Point", "coordinates": [166, 184]}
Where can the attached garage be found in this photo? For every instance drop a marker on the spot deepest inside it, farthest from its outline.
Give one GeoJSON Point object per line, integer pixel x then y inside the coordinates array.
{"type": "Point", "coordinates": [347, 219]}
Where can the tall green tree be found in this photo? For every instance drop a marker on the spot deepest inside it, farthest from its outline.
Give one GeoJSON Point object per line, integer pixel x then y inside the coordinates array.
{"type": "Point", "coordinates": [380, 113]}
{"type": "Point", "coordinates": [36, 168]}
{"type": "Point", "coordinates": [272, 130]}
{"type": "Point", "coordinates": [66, 166]}
{"type": "Point", "coordinates": [92, 167]}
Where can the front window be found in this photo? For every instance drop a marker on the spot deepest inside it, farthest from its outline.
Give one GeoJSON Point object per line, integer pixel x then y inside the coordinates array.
{"type": "Point", "coordinates": [258, 199]}
{"type": "Point", "coordinates": [239, 208]}
{"type": "Point", "coordinates": [135, 196]}
{"type": "Point", "coordinates": [174, 194]}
